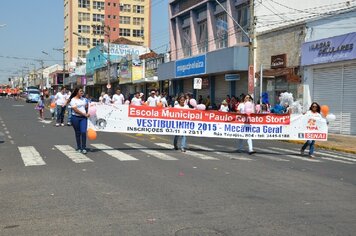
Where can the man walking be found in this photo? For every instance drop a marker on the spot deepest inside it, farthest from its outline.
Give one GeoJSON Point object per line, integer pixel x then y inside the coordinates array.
{"type": "Point", "coordinates": [60, 100]}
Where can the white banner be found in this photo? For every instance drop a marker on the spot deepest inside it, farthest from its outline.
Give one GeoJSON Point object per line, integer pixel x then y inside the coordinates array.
{"type": "Point", "coordinates": [189, 122]}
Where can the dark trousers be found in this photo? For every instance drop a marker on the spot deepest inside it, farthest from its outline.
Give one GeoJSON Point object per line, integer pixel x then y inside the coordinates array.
{"type": "Point", "coordinates": [311, 144]}
{"type": "Point", "coordinates": [60, 114]}
{"type": "Point", "coordinates": [80, 124]}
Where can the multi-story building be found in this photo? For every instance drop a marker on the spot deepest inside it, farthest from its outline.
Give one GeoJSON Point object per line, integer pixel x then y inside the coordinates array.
{"type": "Point", "coordinates": [88, 23]}
{"type": "Point", "coordinates": [206, 42]}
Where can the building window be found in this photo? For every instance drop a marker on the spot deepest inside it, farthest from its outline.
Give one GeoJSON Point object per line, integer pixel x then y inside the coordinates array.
{"type": "Point", "coordinates": [114, 4]}
{"type": "Point", "coordinates": [98, 17]}
{"type": "Point", "coordinates": [98, 30]}
{"type": "Point", "coordinates": [98, 5]}
{"type": "Point", "coordinates": [186, 42]}
{"type": "Point", "coordinates": [83, 41]}
{"type": "Point", "coordinates": [243, 18]}
{"type": "Point", "coordinates": [82, 53]}
{"type": "Point", "coordinates": [83, 29]}
{"type": "Point", "coordinates": [125, 7]}
{"type": "Point", "coordinates": [109, 16]}
{"type": "Point", "coordinates": [221, 33]}
{"type": "Point", "coordinates": [97, 42]}
{"type": "Point", "coordinates": [83, 16]}
{"type": "Point", "coordinates": [84, 4]}
{"type": "Point", "coordinates": [138, 9]}
{"type": "Point", "coordinates": [114, 29]}
{"type": "Point", "coordinates": [202, 37]}
{"type": "Point", "coordinates": [138, 21]}
{"type": "Point", "coordinates": [114, 17]}
{"type": "Point", "coordinates": [125, 32]}
{"type": "Point", "coordinates": [125, 20]}
{"type": "Point", "coordinates": [137, 33]}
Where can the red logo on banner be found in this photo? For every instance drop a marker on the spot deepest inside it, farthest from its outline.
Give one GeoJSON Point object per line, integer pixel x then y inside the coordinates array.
{"type": "Point", "coordinates": [251, 79]}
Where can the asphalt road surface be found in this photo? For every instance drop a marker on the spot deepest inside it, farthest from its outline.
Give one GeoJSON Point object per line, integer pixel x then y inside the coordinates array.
{"type": "Point", "coordinates": [132, 184]}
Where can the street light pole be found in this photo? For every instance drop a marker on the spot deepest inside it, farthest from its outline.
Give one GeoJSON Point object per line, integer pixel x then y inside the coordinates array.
{"type": "Point", "coordinates": [64, 63]}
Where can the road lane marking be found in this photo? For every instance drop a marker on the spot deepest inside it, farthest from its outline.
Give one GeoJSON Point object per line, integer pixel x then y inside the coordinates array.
{"type": "Point", "coordinates": [121, 156]}
{"type": "Point", "coordinates": [268, 155]}
{"type": "Point", "coordinates": [30, 156]}
{"type": "Point", "coordinates": [301, 158]}
{"type": "Point", "coordinates": [224, 154]}
{"type": "Point", "coordinates": [72, 154]}
{"type": "Point", "coordinates": [154, 153]}
{"type": "Point", "coordinates": [190, 153]}
{"type": "Point", "coordinates": [322, 154]}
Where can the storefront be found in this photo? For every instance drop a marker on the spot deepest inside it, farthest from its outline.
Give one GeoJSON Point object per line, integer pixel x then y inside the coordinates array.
{"type": "Point", "coordinates": [279, 79]}
{"type": "Point", "coordinates": [330, 78]}
{"type": "Point", "coordinates": [213, 68]}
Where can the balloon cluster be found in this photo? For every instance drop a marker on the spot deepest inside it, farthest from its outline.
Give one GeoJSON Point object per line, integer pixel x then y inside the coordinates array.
{"type": "Point", "coordinates": [325, 112]}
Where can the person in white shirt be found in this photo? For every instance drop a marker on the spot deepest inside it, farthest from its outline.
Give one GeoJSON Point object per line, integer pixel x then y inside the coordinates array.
{"type": "Point", "coordinates": [118, 98]}
{"type": "Point", "coordinates": [136, 100]}
{"type": "Point", "coordinates": [164, 100]}
{"type": "Point", "coordinates": [181, 104]}
{"type": "Point", "coordinates": [61, 101]}
{"type": "Point", "coordinates": [224, 107]}
{"type": "Point", "coordinates": [106, 98]}
{"type": "Point", "coordinates": [242, 109]}
{"type": "Point", "coordinates": [79, 118]}
{"type": "Point", "coordinates": [152, 99]}
{"type": "Point", "coordinates": [314, 111]}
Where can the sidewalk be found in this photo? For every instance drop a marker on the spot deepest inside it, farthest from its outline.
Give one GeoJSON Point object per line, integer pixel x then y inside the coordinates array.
{"type": "Point", "coordinates": [337, 142]}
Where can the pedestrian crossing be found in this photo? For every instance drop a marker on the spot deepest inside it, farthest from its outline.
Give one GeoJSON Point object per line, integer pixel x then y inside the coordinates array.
{"type": "Point", "coordinates": [164, 151]}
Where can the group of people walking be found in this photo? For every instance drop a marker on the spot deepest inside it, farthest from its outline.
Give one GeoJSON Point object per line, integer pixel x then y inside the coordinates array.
{"type": "Point", "coordinates": [77, 105]}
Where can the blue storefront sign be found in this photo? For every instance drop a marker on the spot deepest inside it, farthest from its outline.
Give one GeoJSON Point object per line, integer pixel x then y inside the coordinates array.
{"type": "Point", "coordinates": [191, 66]}
{"type": "Point", "coordinates": [339, 48]}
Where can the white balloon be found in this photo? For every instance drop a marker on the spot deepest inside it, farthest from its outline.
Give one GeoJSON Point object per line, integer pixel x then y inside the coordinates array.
{"type": "Point", "coordinates": [331, 117]}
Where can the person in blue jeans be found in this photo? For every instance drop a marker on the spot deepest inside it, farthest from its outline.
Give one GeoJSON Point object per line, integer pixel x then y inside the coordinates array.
{"type": "Point", "coordinates": [181, 104]}
{"type": "Point", "coordinates": [79, 118]}
{"type": "Point", "coordinates": [314, 111]}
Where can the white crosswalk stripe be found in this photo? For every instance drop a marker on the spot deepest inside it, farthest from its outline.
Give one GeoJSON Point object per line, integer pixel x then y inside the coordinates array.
{"type": "Point", "coordinates": [320, 155]}
{"type": "Point", "coordinates": [337, 156]}
{"type": "Point", "coordinates": [190, 153]}
{"type": "Point", "coordinates": [224, 154]}
{"type": "Point", "coordinates": [268, 155]}
{"type": "Point", "coordinates": [72, 154]}
{"type": "Point", "coordinates": [154, 153]}
{"type": "Point", "coordinates": [293, 156]}
{"type": "Point", "coordinates": [121, 156]}
{"type": "Point", "coordinates": [30, 156]}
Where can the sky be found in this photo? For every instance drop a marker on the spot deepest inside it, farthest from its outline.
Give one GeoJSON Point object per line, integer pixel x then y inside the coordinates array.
{"type": "Point", "coordinates": [28, 27]}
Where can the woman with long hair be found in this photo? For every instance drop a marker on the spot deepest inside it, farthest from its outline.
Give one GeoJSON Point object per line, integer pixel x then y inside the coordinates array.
{"type": "Point", "coordinates": [314, 111]}
{"type": "Point", "coordinates": [79, 118]}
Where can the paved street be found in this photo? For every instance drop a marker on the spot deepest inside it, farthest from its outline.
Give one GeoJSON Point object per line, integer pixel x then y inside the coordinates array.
{"type": "Point", "coordinates": [131, 184]}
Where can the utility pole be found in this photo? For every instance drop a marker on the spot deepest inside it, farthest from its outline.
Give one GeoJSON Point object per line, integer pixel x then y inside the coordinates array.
{"type": "Point", "coordinates": [107, 33]}
{"type": "Point", "coordinates": [251, 53]}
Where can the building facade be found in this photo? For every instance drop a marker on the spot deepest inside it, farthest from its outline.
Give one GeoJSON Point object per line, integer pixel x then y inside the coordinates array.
{"type": "Point", "coordinates": [278, 56]}
{"type": "Point", "coordinates": [206, 43]}
{"type": "Point", "coordinates": [88, 23]}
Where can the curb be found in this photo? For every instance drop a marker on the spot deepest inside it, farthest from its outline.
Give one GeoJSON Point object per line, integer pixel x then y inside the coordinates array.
{"type": "Point", "coordinates": [323, 146]}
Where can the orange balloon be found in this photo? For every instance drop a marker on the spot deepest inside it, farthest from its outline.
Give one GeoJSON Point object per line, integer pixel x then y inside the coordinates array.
{"type": "Point", "coordinates": [53, 105]}
{"type": "Point", "coordinates": [324, 109]}
{"type": "Point", "coordinates": [91, 134]}
{"type": "Point", "coordinates": [159, 104]}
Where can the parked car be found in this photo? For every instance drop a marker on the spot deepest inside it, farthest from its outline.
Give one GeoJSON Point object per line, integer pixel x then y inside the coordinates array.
{"type": "Point", "coordinates": [33, 95]}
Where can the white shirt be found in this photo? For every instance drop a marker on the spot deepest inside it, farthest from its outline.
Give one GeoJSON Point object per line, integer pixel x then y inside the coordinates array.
{"type": "Point", "coordinates": [164, 102]}
{"type": "Point", "coordinates": [136, 101]}
{"type": "Point", "coordinates": [61, 99]}
{"type": "Point", "coordinates": [224, 108]}
{"type": "Point", "coordinates": [107, 99]}
{"type": "Point", "coordinates": [179, 106]}
{"type": "Point", "coordinates": [152, 101]}
{"type": "Point", "coordinates": [118, 99]}
{"type": "Point", "coordinates": [79, 104]}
